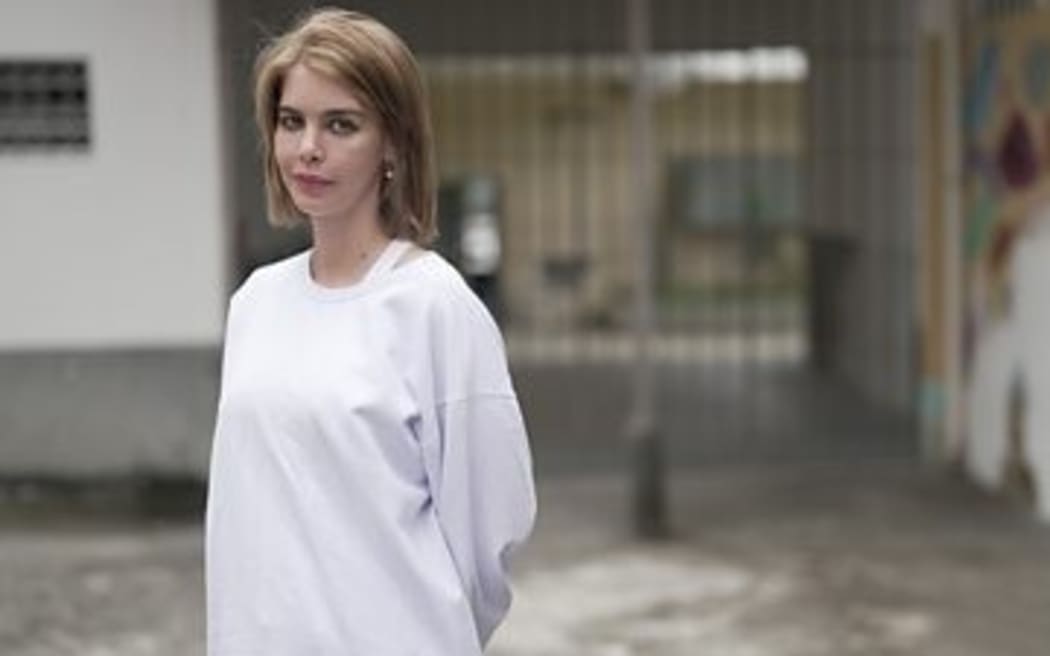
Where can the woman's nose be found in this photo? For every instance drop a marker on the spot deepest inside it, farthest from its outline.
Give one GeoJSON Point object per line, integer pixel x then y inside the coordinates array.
{"type": "Point", "coordinates": [310, 146]}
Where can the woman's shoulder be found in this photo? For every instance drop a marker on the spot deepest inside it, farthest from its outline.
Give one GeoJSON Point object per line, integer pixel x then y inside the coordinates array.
{"type": "Point", "coordinates": [466, 347]}
{"type": "Point", "coordinates": [443, 286]}
{"type": "Point", "coordinates": [269, 276]}
{"type": "Point", "coordinates": [454, 313]}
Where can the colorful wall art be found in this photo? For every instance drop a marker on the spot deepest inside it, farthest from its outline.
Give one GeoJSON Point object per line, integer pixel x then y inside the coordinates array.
{"type": "Point", "coordinates": [1006, 250]}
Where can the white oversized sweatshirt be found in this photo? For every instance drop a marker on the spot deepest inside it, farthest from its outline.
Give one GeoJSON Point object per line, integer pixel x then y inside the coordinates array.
{"type": "Point", "coordinates": [370, 468]}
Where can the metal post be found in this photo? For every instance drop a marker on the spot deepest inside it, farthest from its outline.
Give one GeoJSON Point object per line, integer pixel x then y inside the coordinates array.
{"type": "Point", "coordinates": [649, 491]}
{"type": "Point", "coordinates": [951, 448]}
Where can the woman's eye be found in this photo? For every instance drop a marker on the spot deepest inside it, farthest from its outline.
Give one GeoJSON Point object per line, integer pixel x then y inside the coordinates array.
{"type": "Point", "coordinates": [342, 126]}
{"type": "Point", "coordinates": [289, 122]}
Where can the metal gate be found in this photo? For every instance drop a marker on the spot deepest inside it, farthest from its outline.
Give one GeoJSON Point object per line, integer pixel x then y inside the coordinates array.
{"type": "Point", "coordinates": [703, 203]}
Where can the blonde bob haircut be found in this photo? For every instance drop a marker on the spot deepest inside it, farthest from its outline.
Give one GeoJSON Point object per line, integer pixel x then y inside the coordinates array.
{"type": "Point", "coordinates": [375, 64]}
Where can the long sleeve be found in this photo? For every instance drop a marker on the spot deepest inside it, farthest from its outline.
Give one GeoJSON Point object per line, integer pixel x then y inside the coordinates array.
{"type": "Point", "coordinates": [485, 501]}
{"type": "Point", "coordinates": [477, 456]}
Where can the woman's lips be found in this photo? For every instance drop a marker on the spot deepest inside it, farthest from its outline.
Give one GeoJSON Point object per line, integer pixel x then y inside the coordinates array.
{"type": "Point", "coordinates": [311, 184]}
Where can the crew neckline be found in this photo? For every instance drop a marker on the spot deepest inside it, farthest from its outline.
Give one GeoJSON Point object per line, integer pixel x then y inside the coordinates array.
{"type": "Point", "coordinates": [384, 267]}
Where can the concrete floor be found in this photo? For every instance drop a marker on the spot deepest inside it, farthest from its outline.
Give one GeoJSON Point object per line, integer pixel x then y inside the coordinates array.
{"type": "Point", "coordinates": [807, 560]}
{"type": "Point", "coordinates": [876, 558]}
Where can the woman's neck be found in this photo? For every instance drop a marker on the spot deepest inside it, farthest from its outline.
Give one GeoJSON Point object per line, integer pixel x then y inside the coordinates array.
{"type": "Point", "coordinates": [344, 251]}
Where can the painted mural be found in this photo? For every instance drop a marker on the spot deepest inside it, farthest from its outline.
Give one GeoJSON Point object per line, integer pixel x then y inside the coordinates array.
{"type": "Point", "coordinates": [1006, 119]}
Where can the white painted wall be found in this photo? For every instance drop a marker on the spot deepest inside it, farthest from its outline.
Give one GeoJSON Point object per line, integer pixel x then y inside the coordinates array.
{"type": "Point", "coordinates": [1016, 350]}
{"type": "Point", "coordinates": [123, 245]}
{"type": "Point", "coordinates": [1031, 271]}
{"type": "Point", "coordinates": [995, 369]}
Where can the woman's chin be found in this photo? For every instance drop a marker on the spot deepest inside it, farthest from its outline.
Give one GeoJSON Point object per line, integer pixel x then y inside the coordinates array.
{"type": "Point", "coordinates": [313, 209]}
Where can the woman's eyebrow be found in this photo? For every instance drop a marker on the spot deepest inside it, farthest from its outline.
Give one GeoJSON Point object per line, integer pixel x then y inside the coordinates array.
{"type": "Point", "coordinates": [338, 111]}
{"type": "Point", "coordinates": [355, 113]}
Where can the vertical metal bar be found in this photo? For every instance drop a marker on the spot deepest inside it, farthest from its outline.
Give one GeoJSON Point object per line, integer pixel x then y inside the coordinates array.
{"type": "Point", "coordinates": [649, 493]}
{"type": "Point", "coordinates": [955, 34]}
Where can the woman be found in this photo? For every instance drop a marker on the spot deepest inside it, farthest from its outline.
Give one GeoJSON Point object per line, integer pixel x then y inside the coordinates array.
{"type": "Point", "coordinates": [370, 471]}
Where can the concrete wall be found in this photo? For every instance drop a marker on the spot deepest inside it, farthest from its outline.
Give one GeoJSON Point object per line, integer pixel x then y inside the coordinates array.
{"type": "Point", "coordinates": [114, 267]}
{"type": "Point", "coordinates": [106, 414]}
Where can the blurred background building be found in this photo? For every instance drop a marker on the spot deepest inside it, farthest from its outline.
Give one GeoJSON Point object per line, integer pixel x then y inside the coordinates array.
{"type": "Point", "coordinates": [117, 261]}
{"type": "Point", "coordinates": [847, 205]}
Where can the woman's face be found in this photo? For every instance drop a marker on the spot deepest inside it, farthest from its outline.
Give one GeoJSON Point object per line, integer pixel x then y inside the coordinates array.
{"type": "Point", "coordinates": [329, 147]}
